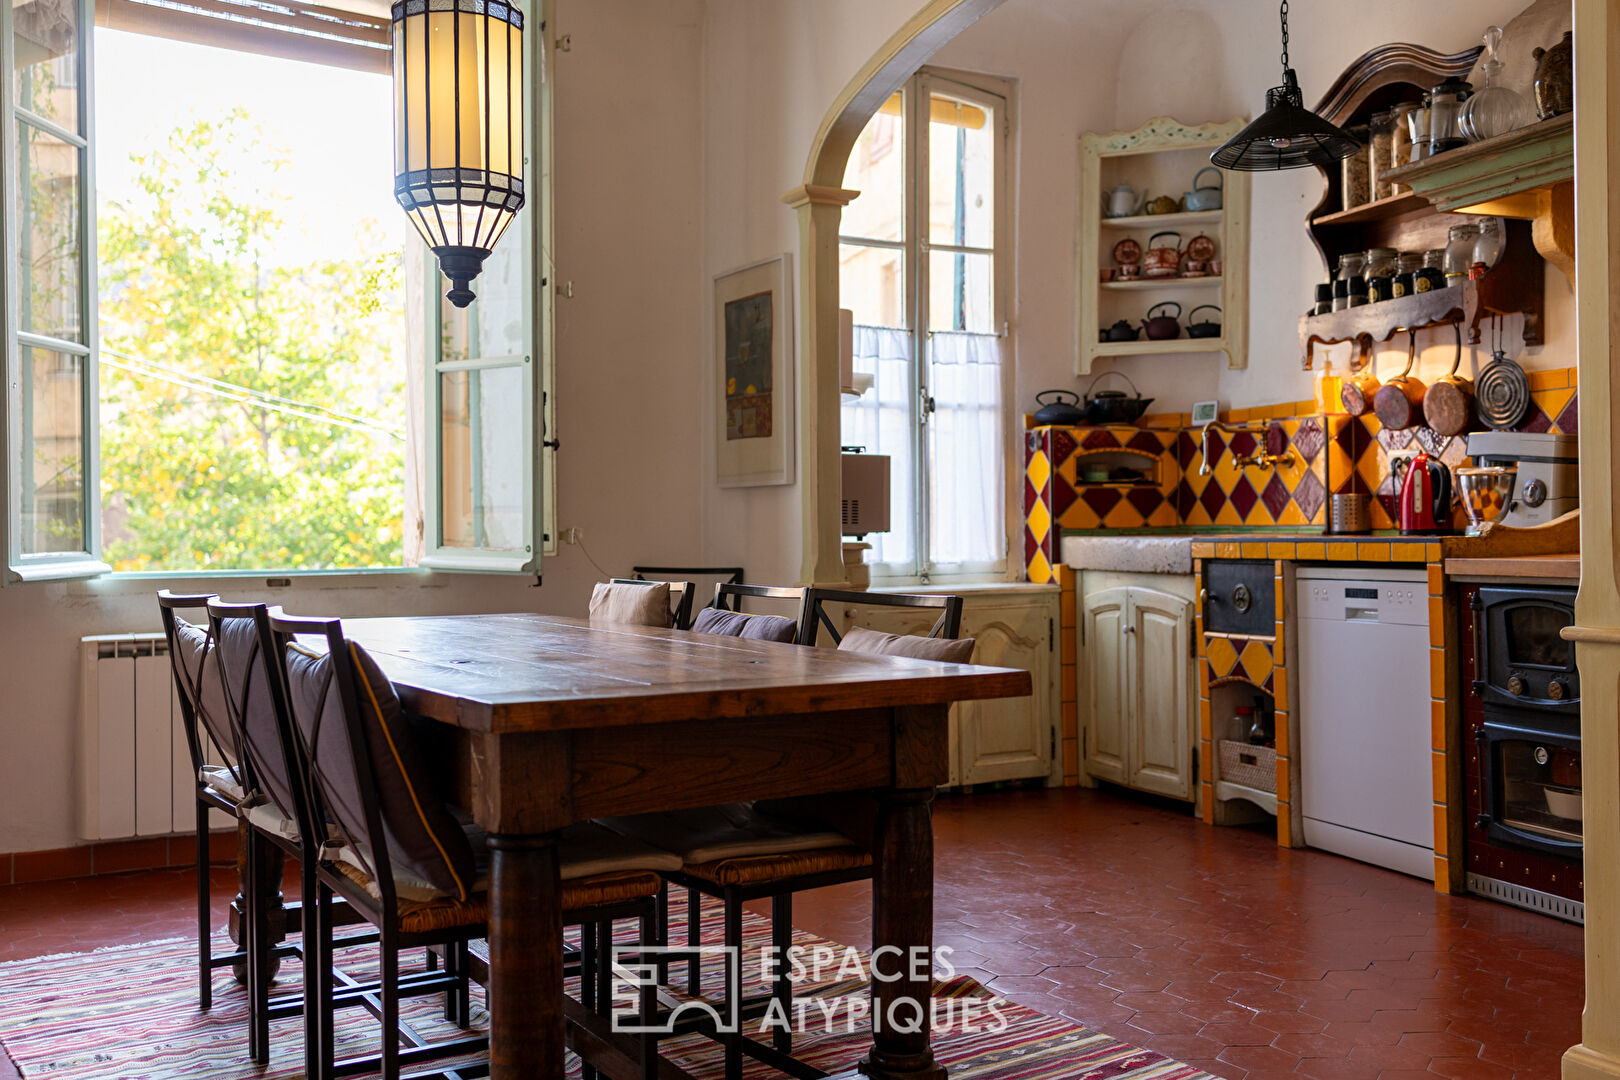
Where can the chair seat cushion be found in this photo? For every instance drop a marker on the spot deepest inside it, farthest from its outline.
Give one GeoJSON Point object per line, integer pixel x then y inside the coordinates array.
{"type": "Point", "coordinates": [743, 625]}
{"type": "Point", "coordinates": [579, 894]}
{"type": "Point", "coordinates": [636, 605]}
{"type": "Point", "coordinates": [195, 648]}
{"type": "Point", "coordinates": [267, 818]}
{"type": "Point", "coordinates": [713, 833]}
{"type": "Point", "coordinates": [871, 642]}
{"type": "Point", "coordinates": [766, 869]}
{"type": "Point", "coordinates": [222, 780]}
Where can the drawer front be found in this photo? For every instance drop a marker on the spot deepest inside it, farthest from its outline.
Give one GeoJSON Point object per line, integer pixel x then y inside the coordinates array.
{"type": "Point", "coordinates": [1242, 597]}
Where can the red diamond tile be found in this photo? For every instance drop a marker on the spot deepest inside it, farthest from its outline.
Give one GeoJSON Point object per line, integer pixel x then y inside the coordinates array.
{"type": "Point", "coordinates": [1569, 419]}
{"type": "Point", "coordinates": [1309, 438]}
{"type": "Point", "coordinates": [1145, 500]}
{"type": "Point", "coordinates": [1146, 442]}
{"type": "Point", "coordinates": [1243, 494]}
{"type": "Point", "coordinates": [1309, 496]}
{"type": "Point", "coordinates": [1062, 496]}
{"type": "Point", "coordinates": [1212, 499]}
{"type": "Point", "coordinates": [1243, 444]}
{"type": "Point", "coordinates": [1101, 499]}
{"type": "Point", "coordinates": [1276, 439]}
{"type": "Point", "coordinates": [1275, 496]}
{"type": "Point", "coordinates": [1100, 439]}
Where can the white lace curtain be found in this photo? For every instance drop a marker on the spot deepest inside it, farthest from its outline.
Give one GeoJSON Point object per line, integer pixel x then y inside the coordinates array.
{"type": "Point", "coordinates": [966, 494]}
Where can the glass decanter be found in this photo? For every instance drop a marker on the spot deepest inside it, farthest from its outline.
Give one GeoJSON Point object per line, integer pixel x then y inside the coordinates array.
{"type": "Point", "coordinates": [1494, 110]}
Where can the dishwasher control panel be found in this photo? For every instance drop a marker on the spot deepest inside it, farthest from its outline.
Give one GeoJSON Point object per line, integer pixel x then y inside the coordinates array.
{"type": "Point", "coordinates": [1403, 603]}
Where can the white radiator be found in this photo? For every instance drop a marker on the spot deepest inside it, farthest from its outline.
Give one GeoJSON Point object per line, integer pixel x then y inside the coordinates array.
{"type": "Point", "coordinates": [135, 775]}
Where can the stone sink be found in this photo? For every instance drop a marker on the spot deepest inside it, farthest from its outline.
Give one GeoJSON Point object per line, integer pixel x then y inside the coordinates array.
{"type": "Point", "coordinates": [1141, 554]}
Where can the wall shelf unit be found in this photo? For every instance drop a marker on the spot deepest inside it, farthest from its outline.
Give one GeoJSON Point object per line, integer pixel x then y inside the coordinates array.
{"type": "Point", "coordinates": [1160, 157]}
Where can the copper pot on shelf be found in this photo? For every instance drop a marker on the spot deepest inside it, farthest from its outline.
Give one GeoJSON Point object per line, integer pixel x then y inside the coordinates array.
{"type": "Point", "coordinates": [1448, 405]}
{"type": "Point", "coordinates": [1356, 393]}
{"type": "Point", "coordinates": [1399, 402]}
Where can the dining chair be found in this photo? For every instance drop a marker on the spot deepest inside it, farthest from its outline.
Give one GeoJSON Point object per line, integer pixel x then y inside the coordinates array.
{"type": "Point", "coordinates": [636, 601]}
{"type": "Point", "coordinates": [400, 856]}
{"type": "Point", "coordinates": [725, 617]}
{"type": "Point", "coordinates": [216, 769]}
{"type": "Point", "coordinates": [775, 848]}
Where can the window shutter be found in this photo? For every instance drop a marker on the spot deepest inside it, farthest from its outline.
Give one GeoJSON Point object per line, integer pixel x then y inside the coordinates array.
{"type": "Point", "coordinates": [334, 36]}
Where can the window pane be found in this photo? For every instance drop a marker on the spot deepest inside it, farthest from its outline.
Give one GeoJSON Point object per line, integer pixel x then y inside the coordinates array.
{"type": "Point", "coordinates": [47, 71]}
{"type": "Point", "coordinates": [876, 169]}
{"type": "Point", "coordinates": [48, 182]}
{"type": "Point", "coordinates": [481, 413]}
{"type": "Point", "coordinates": [881, 421]}
{"type": "Point", "coordinates": [872, 284]}
{"type": "Point", "coordinates": [961, 292]}
{"type": "Point", "coordinates": [52, 448]}
{"type": "Point", "coordinates": [961, 173]}
{"type": "Point", "coordinates": [964, 462]}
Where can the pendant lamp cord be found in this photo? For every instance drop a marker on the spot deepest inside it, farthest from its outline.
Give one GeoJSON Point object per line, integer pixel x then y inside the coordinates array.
{"type": "Point", "coordinates": [1284, 15]}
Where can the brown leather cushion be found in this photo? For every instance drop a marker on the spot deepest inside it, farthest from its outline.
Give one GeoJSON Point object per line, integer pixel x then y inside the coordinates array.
{"type": "Point", "coordinates": [765, 869]}
{"type": "Point", "coordinates": [637, 605]}
{"type": "Point", "coordinates": [742, 625]}
{"type": "Point", "coordinates": [424, 839]}
{"type": "Point", "coordinates": [247, 681]}
{"type": "Point", "coordinates": [951, 650]}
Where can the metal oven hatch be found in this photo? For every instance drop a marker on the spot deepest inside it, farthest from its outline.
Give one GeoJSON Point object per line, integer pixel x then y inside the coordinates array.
{"type": "Point", "coordinates": [1240, 597]}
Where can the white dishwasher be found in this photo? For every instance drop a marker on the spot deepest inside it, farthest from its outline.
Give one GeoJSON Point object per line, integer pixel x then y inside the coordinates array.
{"type": "Point", "coordinates": [1366, 780]}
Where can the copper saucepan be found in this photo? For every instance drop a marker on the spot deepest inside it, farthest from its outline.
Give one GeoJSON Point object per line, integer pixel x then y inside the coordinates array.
{"type": "Point", "coordinates": [1399, 402]}
{"type": "Point", "coordinates": [1357, 392]}
{"type": "Point", "coordinates": [1448, 406]}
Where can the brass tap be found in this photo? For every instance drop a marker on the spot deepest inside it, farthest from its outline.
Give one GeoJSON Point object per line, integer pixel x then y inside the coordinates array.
{"type": "Point", "coordinates": [1203, 443]}
{"type": "Point", "coordinates": [1262, 460]}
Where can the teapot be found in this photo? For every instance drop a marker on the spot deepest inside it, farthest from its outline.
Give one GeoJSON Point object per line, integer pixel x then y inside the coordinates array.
{"type": "Point", "coordinates": [1120, 331]}
{"type": "Point", "coordinates": [1203, 198]}
{"type": "Point", "coordinates": [1124, 202]}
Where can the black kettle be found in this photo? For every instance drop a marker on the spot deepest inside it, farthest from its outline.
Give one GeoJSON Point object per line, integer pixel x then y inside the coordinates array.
{"type": "Point", "coordinates": [1058, 413]}
{"type": "Point", "coordinates": [1120, 331]}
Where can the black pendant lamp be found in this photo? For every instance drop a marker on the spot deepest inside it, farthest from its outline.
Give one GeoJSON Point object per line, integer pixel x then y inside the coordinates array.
{"type": "Point", "coordinates": [1287, 135]}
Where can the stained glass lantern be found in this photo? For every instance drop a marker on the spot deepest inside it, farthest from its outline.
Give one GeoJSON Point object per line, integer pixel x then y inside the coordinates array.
{"type": "Point", "coordinates": [458, 128]}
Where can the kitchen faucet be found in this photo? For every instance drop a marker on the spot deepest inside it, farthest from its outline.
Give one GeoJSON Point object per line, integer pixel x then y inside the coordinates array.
{"type": "Point", "coordinates": [1262, 460]}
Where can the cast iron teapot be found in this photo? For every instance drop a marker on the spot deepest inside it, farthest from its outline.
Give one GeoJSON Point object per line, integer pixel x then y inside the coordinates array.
{"type": "Point", "coordinates": [1059, 413]}
{"type": "Point", "coordinates": [1120, 331]}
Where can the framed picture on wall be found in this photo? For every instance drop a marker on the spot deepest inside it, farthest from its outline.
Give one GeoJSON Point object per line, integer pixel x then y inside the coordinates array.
{"type": "Point", "coordinates": [753, 340]}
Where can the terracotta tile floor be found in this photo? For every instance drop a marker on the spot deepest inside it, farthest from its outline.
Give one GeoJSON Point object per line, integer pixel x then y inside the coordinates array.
{"type": "Point", "coordinates": [1211, 945]}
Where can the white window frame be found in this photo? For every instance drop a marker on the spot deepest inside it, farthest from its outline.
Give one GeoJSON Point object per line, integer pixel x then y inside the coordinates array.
{"type": "Point", "coordinates": [915, 246]}
{"type": "Point", "coordinates": [533, 229]}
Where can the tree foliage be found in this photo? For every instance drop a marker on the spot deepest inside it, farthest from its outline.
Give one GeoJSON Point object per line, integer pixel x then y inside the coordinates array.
{"type": "Point", "coordinates": [292, 457]}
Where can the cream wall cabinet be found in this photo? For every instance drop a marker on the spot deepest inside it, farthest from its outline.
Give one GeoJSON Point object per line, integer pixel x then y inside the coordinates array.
{"type": "Point", "coordinates": [1161, 158]}
{"type": "Point", "coordinates": [1136, 666]}
{"type": "Point", "coordinates": [1015, 625]}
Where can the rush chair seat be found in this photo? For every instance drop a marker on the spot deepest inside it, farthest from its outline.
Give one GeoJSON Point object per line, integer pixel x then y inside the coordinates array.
{"type": "Point", "coordinates": [403, 859]}
{"type": "Point", "coordinates": [776, 848]}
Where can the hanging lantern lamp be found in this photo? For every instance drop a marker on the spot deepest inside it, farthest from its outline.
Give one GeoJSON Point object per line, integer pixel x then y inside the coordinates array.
{"type": "Point", "coordinates": [1287, 135]}
{"type": "Point", "coordinates": [458, 128]}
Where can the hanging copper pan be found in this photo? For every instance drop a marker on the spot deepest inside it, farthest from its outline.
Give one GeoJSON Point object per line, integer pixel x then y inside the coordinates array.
{"type": "Point", "coordinates": [1357, 392]}
{"type": "Point", "coordinates": [1448, 406]}
{"type": "Point", "coordinates": [1399, 402]}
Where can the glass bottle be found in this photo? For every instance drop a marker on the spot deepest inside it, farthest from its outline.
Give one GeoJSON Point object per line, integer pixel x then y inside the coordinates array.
{"type": "Point", "coordinates": [1418, 121]}
{"type": "Point", "coordinates": [1459, 251]}
{"type": "Point", "coordinates": [1380, 274]}
{"type": "Point", "coordinates": [1433, 274]}
{"type": "Point", "coordinates": [1354, 186]}
{"type": "Point", "coordinates": [1350, 264]}
{"type": "Point", "coordinates": [1495, 109]}
{"type": "Point", "coordinates": [1488, 244]}
{"type": "Point", "coordinates": [1401, 154]}
{"type": "Point", "coordinates": [1445, 106]}
{"type": "Point", "coordinates": [1380, 150]}
{"type": "Point", "coordinates": [1406, 269]}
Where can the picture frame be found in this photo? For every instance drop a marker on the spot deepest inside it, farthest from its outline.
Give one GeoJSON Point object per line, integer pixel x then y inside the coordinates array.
{"type": "Point", "coordinates": [754, 374]}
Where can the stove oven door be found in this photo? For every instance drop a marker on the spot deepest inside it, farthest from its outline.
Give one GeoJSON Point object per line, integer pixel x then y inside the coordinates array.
{"type": "Point", "coordinates": [1525, 663]}
{"type": "Point", "coordinates": [1532, 786]}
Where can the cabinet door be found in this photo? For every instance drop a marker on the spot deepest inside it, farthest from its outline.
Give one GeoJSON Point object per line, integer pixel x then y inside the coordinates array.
{"type": "Point", "coordinates": [1158, 651]}
{"type": "Point", "coordinates": [1010, 738]}
{"type": "Point", "coordinates": [1103, 618]}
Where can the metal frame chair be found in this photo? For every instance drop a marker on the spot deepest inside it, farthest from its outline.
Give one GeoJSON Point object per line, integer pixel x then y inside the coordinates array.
{"type": "Point", "coordinates": [814, 616]}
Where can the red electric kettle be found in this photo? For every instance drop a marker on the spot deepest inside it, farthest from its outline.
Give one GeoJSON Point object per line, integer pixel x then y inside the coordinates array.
{"type": "Point", "coordinates": [1425, 505]}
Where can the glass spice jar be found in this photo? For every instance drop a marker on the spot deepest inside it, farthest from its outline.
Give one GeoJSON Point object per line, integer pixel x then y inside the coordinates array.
{"type": "Point", "coordinates": [1358, 292]}
{"type": "Point", "coordinates": [1401, 151]}
{"type": "Point", "coordinates": [1354, 185]}
{"type": "Point", "coordinates": [1433, 273]}
{"type": "Point", "coordinates": [1381, 149]}
{"type": "Point", "coordinates": [1406, 268]}
{"type": "Point", "coordinates": [1380, 274]}
{"type": "Point", "coordinates": [1488, 245]}
{"type": "Point", "coordinates": [1325, 298]}
{"type": "Point", "coordinates": [1459, 257]}
{"type": "Point", "coordinates": [1350, 264]}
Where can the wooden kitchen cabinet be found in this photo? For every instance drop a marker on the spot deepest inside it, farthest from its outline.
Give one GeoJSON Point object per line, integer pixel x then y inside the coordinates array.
{"type": "Point", "coordinates": [1014, 626]}
{"type": "Point", "coordinates": [1136, 670]}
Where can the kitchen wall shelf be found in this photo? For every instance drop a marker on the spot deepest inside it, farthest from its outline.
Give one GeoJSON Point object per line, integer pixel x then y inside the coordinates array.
{"type": "Point", "coordinates": [1162, 221]}
{"type": "Point", "coordinates": [1377, 210]}
{"type": "Point", "coordinates": [1161, 283]}
{"type": "Point", "coordinates": [1160, 157]}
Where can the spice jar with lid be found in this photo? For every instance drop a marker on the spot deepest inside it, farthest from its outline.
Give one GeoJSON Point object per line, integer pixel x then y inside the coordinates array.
{"type": "Point", "coordinates": [1459, 251]}
{"type": "Point", "coordinates": [1324, 298]}
{"type": "Point", "coordinates": [1381, 152]}
{"type": "Point", "coordinates": [1401, 153]}
{"type": "Point", "coordinates": [1433, 273]}
{"type": "Point", "coordinates": [1380, 274]}
{"type": "Point", "coordinates": [1354, 186]}
{"type": "Point", "coordinates": [1406, 267]}
{"type": "Point", "coordinates": [1350, 264]}
{"type": "Point", "coordinates": [1358, 292]}
{"type": "Point", "coordinates": [1488, 245]}
{"type": "Point", "coordinates": [1445, 108]}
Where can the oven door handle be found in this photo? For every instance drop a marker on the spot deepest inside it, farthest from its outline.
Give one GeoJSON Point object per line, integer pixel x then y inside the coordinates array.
{"type": "Point", "coordinates": [1479, 643]}
{"type": "Point", "coordinates": [1484, 817]}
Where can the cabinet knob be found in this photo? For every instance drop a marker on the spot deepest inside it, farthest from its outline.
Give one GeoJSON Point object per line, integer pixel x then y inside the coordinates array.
{"type": "Point", "coordinates": [1556, 690]}
{"type": "Point", "coordinates": [1129, 630]}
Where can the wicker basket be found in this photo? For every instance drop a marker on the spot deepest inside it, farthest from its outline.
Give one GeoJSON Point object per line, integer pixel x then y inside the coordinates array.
{"type": "Point", "coordinates": [1252, 766]}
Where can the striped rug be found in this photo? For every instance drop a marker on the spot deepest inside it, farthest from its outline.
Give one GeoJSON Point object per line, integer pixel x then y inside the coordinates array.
{"type": "Point", "coordinates": [130, 1013]}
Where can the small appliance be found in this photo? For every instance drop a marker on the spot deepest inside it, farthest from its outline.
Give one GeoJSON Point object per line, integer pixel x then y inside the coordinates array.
{"type": "Point", "coordinates": [1425, 505]}
{"type": "Point", "coordinates": [1548, 482]}
{"type": "Point", "coordinates": [866, 492]}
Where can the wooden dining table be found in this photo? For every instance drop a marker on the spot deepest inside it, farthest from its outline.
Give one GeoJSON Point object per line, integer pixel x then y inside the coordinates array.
{"type": "Point", "coordinates": [559, 720]}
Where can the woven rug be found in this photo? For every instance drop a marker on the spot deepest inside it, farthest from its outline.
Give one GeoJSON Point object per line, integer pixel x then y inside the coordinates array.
{"type": "Point", "coordinates": [130, 1013]}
